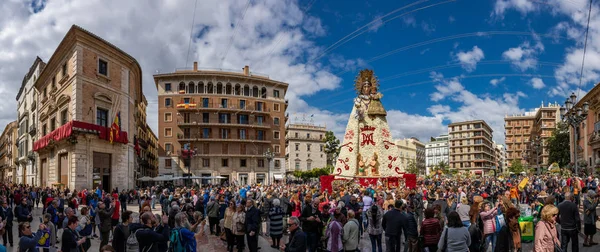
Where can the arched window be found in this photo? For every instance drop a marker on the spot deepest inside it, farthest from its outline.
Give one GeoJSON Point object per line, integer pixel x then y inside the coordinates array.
{"type": "Point", "coordinates": [201, 87]}
{"type": "Point", "coordinates": [263, 92]}
{"type": "Point", "coordinates": [219, 88]}
{"type": "Point", "coordinates": [191, 88]}
{"type": "Point", "coordinates": [246, 90]}
{"type": "Point", "coordinates": [181, 86]}
{"type": "Point", "coordinates": [209, 88]}
{"type": "Point", "coordinates": [255, 91]}
{"type": "Point", "coordinates": [228, 88]}
{"type": "Point", "coordinates": [238, 89]}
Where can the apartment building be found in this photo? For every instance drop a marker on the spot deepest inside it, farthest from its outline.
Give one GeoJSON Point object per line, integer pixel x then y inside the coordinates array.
{"type": "Point", "coordinates": [436, 151]}
{"type": "Point", "coordinates": [8, 153]}
{"type": "Point", "coordinates": [221, 123]}
{"type": "Point", "coordinates": [411, 150]}
{"type": "Point", "coordinates": [305, 147]}
{"type": "Point", "coordinates": [500, 153]}
{"type": "Point", "coordinates": [27, 121]}
{"type": "Point", "coordinates": [87, 85]}
{"type": "Point", "coordinates": [471, 147]}
{"type": "Point", "coordinates": [420, 154]}
{"type": "Point", "coordinates": [520, 129]}
{"type": "Point", "coordinates": [145, 144]}
{"type": "Point", "coordinates": [588, 141]}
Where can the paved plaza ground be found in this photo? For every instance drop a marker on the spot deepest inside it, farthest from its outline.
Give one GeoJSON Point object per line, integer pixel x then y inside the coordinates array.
{"type": "Point", "coordinates": [215, 245]}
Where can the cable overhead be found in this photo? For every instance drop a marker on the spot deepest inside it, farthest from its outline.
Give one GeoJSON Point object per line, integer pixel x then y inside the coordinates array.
{"type": "Point", "coordinates": [435, 68]}
{"type": "Point", "coordinates": [191, 34]}
{"type": "Point", "coordinates": [451, 37]}
{"type": "Point", "coordinates": [585, 47]}
{"type": "Point", "coordinates": [449, 78]}
{"type": "Point", "coordinates": [233, 35]}
{"type": "Point", "coordinates": [333, 46]}
{"type": "Point", "coordinates": [309, 5]}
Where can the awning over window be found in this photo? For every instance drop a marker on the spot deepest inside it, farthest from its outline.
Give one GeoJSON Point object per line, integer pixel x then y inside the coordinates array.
{"type": "Point", "coordinates": [67, 130]}
{"type": "Point", "coordinates": [277, 176]}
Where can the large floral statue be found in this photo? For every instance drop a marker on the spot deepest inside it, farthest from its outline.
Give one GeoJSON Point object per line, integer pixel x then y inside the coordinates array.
{"type": "Point", "coordinates": [367, 149]}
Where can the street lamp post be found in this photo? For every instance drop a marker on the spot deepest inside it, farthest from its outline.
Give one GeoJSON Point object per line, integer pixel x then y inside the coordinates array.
{"type": "Point", "coordinates": [536, 144]}
{"type": "Point", "coordinates": [574, 117]}
{"type": "Point", "coordinates": [269, 155]}
{"type": "Point", "coordinates": [524, 156]}
{"type": "Point", "coordinates": [189, 154]}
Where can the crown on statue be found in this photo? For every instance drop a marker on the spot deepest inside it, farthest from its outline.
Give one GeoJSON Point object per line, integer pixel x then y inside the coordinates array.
{"type": "Point", "coordinates": [365, 76]}
{"type": "Point", "coordinates": [367, 128]}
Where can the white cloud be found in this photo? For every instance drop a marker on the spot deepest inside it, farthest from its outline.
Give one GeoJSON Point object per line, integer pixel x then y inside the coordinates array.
{"type": "Point", "coordinates": [376, 24]}
{"type": "Point", "coordinates": [523, 6]}
{"type": "Point", "coordinates": [469, 59]}
{"type": "Point", "coordinates": [445, 87]}
{"type": "Point", "coordinates": [427, 28]}
{"type": "Point", "coordinates": [524, 56]}
{"type": "Point", "coordinates": [273, 38]}
{"type": "Point", "coordinates": [495, 82]}
{"type": "Point", "coordinates": [472, 106]}
{"type": "Point", "coordinates": [451, 19]}
{"type": "Point", "coordinates": [537, 83]}
{"type": "Point", "coordinates": [424, 51]}
{"type": "Point", "coordinates": [409, 21]}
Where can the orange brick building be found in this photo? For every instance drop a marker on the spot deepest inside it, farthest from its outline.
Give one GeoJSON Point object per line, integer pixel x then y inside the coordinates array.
{"type": "Point", "coordinates": [232, 122]}
{"type": "Point", "coordinates": [85, 84]}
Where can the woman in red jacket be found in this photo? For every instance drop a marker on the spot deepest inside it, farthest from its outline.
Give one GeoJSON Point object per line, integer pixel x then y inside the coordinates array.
{"type": "Point", "coordinates": [431, 230]}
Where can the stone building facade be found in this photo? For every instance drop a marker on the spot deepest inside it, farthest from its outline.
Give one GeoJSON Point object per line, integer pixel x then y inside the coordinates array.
{"type": "Point", "coordinates": [86, 84]}
{"type": "Point", "coordinates": [8, 153]}
{"type": "Point", "coordinates": [217, 123]}
{"type": "Point", "coordinates": [305, 147]}
{"type": "Point", "coordinates": [27, 120]}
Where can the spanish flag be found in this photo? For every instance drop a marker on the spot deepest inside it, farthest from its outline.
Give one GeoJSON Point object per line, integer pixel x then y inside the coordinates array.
{"type": "Point", "coordinates": [114, 128]}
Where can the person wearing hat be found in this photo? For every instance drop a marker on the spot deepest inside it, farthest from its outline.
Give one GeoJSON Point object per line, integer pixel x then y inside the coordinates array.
{"type": "Point", "coordinates": [589, 218]}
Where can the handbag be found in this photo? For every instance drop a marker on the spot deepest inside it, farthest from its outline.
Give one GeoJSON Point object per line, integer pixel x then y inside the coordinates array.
{"type": "Point", "coordinates": [556, 247]}
{"type": "Point", "coordinates": [500, 222]}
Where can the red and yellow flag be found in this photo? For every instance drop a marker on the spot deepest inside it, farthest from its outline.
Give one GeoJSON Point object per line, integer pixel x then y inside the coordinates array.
{"type": "Point", "coordinates": [114, 128]}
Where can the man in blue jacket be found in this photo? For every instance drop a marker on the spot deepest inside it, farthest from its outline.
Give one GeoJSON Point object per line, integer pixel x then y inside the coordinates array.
{"type": "Point", "coordinates": [23, 214]}
{"type": "Point", "coordinates": [7, 214]}
{"type": "Point", "coordinates": [392, 225]}
{"type": "Point", "coordinates": [28, 241]}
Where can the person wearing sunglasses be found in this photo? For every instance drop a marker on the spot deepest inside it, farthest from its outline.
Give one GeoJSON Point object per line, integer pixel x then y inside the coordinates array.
{"type": "Point", "coordinates": [297, 238]}
{"type": "Point", "coordinates": [28, 241]}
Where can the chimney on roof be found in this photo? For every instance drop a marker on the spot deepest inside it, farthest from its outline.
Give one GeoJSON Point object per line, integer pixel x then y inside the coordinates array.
{"type": "Point", "coordinates": [195, 65]}
{"type": "Point", "coordinates": [246, 70]}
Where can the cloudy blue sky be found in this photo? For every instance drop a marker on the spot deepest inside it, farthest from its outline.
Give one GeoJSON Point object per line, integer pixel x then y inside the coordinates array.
{"type": "Point", "coordinates": [438, 60]}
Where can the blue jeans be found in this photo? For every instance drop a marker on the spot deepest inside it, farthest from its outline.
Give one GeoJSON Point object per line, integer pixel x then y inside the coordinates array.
{"type": "Point", "coordinates": [375, 242]}
{"type": "Point", "coordinates": [490, 238]}
{"type": "Point", "coordinates": [467, 224]}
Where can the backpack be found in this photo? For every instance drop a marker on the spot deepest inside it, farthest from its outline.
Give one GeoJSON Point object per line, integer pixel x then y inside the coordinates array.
{"type": "Point", "coordinates": [176, 243]}
{"type": "Point", "coordinates": [132, 244]}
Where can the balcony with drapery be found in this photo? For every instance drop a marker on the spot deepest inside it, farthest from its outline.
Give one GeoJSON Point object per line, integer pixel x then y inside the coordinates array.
{"type": "Point", "coordinates": [67, 131]}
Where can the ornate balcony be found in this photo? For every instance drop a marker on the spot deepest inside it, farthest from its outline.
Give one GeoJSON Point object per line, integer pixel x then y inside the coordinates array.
{"type": "Point", "coordinates": [32, 129]}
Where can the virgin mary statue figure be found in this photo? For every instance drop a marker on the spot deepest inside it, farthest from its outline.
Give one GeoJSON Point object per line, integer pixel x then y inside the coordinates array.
{"type": "Point", "coordinates": [368, 139]}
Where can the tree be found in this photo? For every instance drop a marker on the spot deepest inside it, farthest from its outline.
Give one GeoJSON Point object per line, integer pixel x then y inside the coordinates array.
{"type": "Point", "coordinates": [442, 166]}
{"type": "Point", "coordinates": [412, 167]}
{"type": "Point", "coordinates": [332, 147]}
{"type": "Point", "coordinates": [516, 166]}
{"type": "Point", "coordinates": [558, 145]}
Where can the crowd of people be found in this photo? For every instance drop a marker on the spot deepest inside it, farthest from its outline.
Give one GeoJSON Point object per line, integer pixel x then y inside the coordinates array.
{"type": "Point", "coordinates": [435, 215]}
